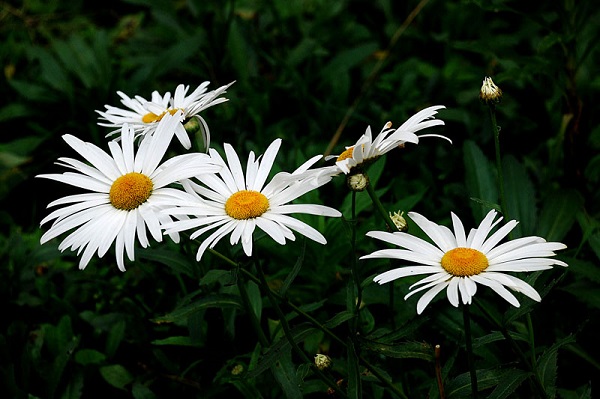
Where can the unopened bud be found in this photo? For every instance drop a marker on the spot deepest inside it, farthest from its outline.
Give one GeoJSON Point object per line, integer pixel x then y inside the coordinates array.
{"type": "Point", "coordinates": [195, 127]}
{"type": "Point", "coordinates": [399, 221]}
{"type": "Point", "coordinates": [357, 181]}
{"type": "Point", "coordinates": [322, 361]}
{"type": "Point", "coordinates": [237, 369]}
{"type": "Point", "coordinates": [490, 93]}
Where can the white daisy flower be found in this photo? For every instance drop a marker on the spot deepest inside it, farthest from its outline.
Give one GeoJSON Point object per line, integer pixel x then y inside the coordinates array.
{"type": "Point", "coordinates": [236, 203]}
{"type": "Point", "coordinates": [459, 262]}
{"type": "Point", "coordinates": [127, 191]}
{"type": "Point", "coordinates": [367, 150]}
{"type": "Point", "coordinates": [142, 115]}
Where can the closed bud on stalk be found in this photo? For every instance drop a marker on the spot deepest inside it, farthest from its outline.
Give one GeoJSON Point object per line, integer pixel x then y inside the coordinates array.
{"type": "Point", "coordinates": [490, 93]}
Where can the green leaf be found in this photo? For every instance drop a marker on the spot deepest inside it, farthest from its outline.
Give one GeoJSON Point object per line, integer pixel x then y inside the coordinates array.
{"type": "Point", "coordinates": [176, 261]}
{"type": "Point", "coordinates": [255, 298]}
{"type": "Point", "coordinates": [509, 382]}
{"type": "Point", "coordinates": [404, 350]}
{"type": "Point", "coordinates": [114, 338]}
{"type": "Point", "coordinates": [285, 374]}
{"type": "Point", "coordinates": [116, 375]}
{"type": "Point", "coordinates": [14, 111]}
{"type": "Point", "coordinates": [339, 318]}
{"type": "Point", "coordinates": [177, 341]}
{"type": "Point", "coordinates": [520, 197]}
{"type": "Point", "coordinates": [460, 387]}
{"type": "Point", "coordinates": [594, 242]}
{"type": "Point", "coordinates": [216, 275]}
{"type": "Point", "coordinates": [89, 356]}
{"type": "Point", "coordinates": [559, 213]}
{"type": "Point", "coordinates": [480, 178]}
{"type": "Point", "coordinates": [269, 358]}
{"type": "Point", "coordinates": [140, 391]}
{"type": "Point", "coordinates": [211, 301]}
{"type": "Point", "coordinates": [354, 383]}
{"type": "Point", "coordinates": [58, 366]}
{"type": "Point", "coordinates": [294, 272]}
{"type": "Point", "coordinates": [583, 268]}
{"type": "Point", "coordinates": [547, 365]}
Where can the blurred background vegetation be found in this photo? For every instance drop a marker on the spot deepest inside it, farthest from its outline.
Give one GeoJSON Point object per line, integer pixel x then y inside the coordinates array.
{"type": "Point", "coordinates": [304, 71]}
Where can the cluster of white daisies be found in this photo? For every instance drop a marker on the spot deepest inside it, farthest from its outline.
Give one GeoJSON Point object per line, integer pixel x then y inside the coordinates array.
{"type": "Point", "coordinates": [130, 191]}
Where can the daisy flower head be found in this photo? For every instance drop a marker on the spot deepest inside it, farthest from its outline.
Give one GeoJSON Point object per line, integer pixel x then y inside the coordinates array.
{"type": "Point", "coordinates": [126, 190]}
{"type": "Point", "coordinates": [142, 115]}
{"type": "Point", "coordinates": [367, 149]}
{"type": "Point", "coordinates": [459, 262]}
{"type": "Point", "coordinates": [236, 203]}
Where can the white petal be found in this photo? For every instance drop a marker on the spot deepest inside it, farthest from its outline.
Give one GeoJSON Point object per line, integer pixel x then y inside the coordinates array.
{"type": "Point", "coordinates": [311, 209]}
{"type": "Point", "coordinates": [395, 274]}
{"type": "Point", "coordinates": [433, 231]}
{"type": "Point", "coordinates": [235, 167]}
{"type": "Point", "coordinates": [272, 229]}
{"type": "Point", "coordinates": [403, 254]}
{"type": "Point", "coordinates": [266, 164]}
{"type": "Point", "coordinates": [459, 231]}
{"type": "Point", "coordinates": [452, 291]}
{"type": "Point", "coordinates": [498, 288]}
{"type": "Point", "coordinates": [410, 242]}
{"type": "Point", "coordinates": [495, 238]}
{"type": "Point", "coordinates": [483, 230]}
{"type": "Point", "coordinates": [428, 296]}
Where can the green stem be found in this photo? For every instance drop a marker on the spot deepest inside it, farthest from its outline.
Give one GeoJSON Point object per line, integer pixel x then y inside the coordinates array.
{"type": "Point", "coordinates": [288, 333]}
{"type": "Point", "coordinates": [469, 345]}
{"type": "Point", "coordinates": [496, 133]}
{"type": "Point", "coordinates": [222, 257]}
{"type": "Point", "coordinates": [357, 291]}
{"type": "Point", "coordinates": [382, 211]}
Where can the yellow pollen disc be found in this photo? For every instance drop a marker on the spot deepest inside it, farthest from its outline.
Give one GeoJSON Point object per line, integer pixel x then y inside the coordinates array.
{"type": "Point", "coordinates": [152, 117]}
{"type": "Point", "coordinates": [130, 191]}
{"type": "Point", "coordinates": [462, 262]}
{"type": "Point", "coordinates": [246, 204]}
{"type": "Point", "coordinates": [346, 154]}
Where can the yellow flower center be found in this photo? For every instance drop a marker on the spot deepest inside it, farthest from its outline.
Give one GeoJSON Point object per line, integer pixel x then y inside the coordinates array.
{"type": "Point", "coordinates": [130, 191]}
{"type": "Point", "coordinates": [346, 154]}
{"type": "Point", "coordinates": [246, 204]}
{"type": "Point", "coordinates": [463, 262]}
{"type": "Point", "coordinates": [152, 117]}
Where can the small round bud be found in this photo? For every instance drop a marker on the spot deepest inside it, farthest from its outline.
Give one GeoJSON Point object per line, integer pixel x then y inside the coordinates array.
{"type": "Point", "coordinates": [194, 127]}
{"type": "Point", "coordinates": [357, 181]}
{"type": "Point", "coordinates": [399, 221]}
{"type": "Point", "coordinates": [237, 369]}
{"type": "Point", "coordinates": [490, 93]}
{"type": "Point", "coordinates": [322, 361]}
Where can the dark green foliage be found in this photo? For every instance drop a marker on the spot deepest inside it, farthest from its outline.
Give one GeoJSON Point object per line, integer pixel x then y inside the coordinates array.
{"type": "Point", "coordinates": [303, 69]}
